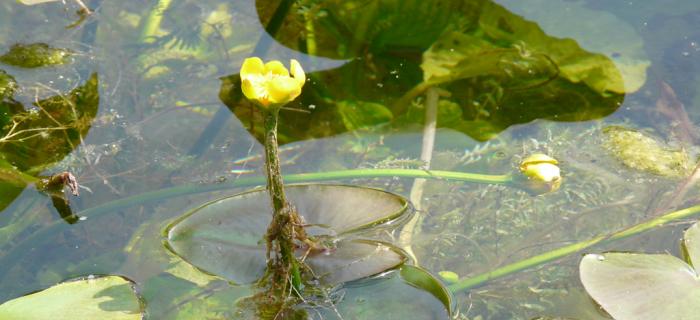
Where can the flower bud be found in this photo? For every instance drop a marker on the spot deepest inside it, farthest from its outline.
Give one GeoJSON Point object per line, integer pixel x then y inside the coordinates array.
{"type": "Point", "coordinates": [542, 173]}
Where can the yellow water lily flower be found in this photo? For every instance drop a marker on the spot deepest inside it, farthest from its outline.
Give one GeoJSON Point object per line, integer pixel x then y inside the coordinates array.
{"type": "Point", "coordinates": [270, 84]}
{"type": "Point", "coordinates": [542, 172]}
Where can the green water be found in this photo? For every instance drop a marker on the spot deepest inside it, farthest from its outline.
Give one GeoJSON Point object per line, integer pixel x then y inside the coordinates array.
{"type": "Point", "coordinates": [143, 97]}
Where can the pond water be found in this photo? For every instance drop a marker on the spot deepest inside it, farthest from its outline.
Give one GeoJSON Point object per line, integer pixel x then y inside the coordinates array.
{"type": "Point", "coordinates": [140, 102]}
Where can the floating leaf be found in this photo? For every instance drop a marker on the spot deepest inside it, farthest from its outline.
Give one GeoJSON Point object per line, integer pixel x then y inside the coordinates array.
{"type": "Point", "coordinates": [35, 55]}
{"type": "Point", "coordinates": [108, 298]}
{"type": "Point", "coordinates": [691, 246]}
{"type": "Point", "coordinates": [351, 260]}
{"type": "Point", "coordinates": [645, 286]}
{"type": "Point", "coordinates": [641, 152]}
{"type": "Point", "coordinates": [224, 237]}
{"type": "Point", "coordinates": [408, 293]}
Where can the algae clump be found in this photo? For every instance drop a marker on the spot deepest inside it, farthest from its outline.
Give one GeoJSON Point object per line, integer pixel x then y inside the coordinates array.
{"type": "Point", "coordinates": [642, 152]}
{"type": "Point", "coordinates": [8, 85]}
{"type": "Point", "coordinates": [35, 55]}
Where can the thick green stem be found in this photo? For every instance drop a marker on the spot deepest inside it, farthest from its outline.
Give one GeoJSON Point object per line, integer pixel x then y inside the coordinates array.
{"type": "Point", "coordinates": [475, 281]}
{"type": "Point", "coordinates": [282, 265]}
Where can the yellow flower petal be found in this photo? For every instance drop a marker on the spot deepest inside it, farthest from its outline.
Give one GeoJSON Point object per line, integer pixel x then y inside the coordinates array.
{"type": "Point", "coordinates": [276, 67]}
{"type": "Point", "coordinates": [283, 90]}
{"type": "Point", "coordinates": [249, 90]}
{"type": "Point", "coordinates": [297, 72]}
{"type": "Point", "coordinates": [252, 66]}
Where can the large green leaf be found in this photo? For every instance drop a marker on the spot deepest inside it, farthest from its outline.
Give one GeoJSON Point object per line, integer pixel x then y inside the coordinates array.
{"type": "Point", "coordinates": [106, 298]}
{"type": "Point", "coordinates": [224, 237]}
{"type": "Point", "coordinates": [594, 30]}
{"type": "Point", "coordinates": [645, 286]}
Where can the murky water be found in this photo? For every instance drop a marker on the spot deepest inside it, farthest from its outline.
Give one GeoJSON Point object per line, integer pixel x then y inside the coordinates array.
{"type": "Point", "coordinates": [162, 128]}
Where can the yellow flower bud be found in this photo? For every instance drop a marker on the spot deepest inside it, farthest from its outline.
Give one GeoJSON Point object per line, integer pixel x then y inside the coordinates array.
{"type": "Point", "coordinates": [543, 174]}
{"type": "Point", "coordinates": [270, 84]}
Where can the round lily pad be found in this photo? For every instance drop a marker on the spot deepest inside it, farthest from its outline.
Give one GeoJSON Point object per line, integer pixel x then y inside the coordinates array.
{"type": "Point", "coordinates": [645, 286]}
{"type": "Point", "coordinates": [224, 237]}
{"type": "Point", "coordinates": [108, 298]}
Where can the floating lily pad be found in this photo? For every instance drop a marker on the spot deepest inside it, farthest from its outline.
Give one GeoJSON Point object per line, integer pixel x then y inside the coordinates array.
{"type": "Point", "coordinates": [108, 298]}
{"type": "Point", "coordinates": [640, 151]}
{"type": "Point", "coordinates": [408, 293]}
{"type": "Point", "coordinates": [224, 237]}
{"type": "Point", "coordinates": [645, 286]}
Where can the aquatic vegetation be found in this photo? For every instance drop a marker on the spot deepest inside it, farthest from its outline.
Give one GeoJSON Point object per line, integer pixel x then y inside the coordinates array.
{"type": "Point", "coordinates": [8, 86]}
{"type": "Point", "coordinates": [513, 80]}
{"type": "Point", "coordinates": [644, 153]}
{"type": "Point", "coordinates": [108, 297]}
{"type": "Point", "coordinates": [35, 55]}
{"type": "Point", "coordinates": [646, 286]}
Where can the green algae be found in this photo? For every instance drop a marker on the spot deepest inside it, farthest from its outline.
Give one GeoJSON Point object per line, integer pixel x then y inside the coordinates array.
{"type": "Point", "coordinates": [35, 55]}
{"type": "Point", "coordinates": [641, 152]}
{"type": "Point", "coordinates": [8, 85]}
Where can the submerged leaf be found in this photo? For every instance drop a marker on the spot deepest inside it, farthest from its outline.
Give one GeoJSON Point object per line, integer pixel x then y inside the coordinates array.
{"type": "Point", "coordinates": [594, 30]}
{"type": "Point", "coordinates": [224, 237]}
{"type": "Point", "coordinates": [360, 114]}
{"type": "Point", "coordinates": [108, 298]}
{"type": "Point", "coordinates": [408, 293]}
{"type": "Point", "coordinates": [35, 55]}
{"type": "Point", "coordinates": [641, 152]}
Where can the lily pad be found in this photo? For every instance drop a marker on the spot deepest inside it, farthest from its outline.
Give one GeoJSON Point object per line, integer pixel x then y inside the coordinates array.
{"type": "Point", "coordinates": [408, 293]}
{"type": "Point", "coordinates": [108, 298]}
{"type": "Point", "coordinates": [645, 286]}
{"type": "Point", "coordinates": [224, 237]}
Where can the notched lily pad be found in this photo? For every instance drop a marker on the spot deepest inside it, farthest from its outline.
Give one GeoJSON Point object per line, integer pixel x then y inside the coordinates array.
{"type": "Point", "coordinates": [642, 152]}
{"type": "Point", "coordinates": [108, 298]}
{"type": "Point", "coordinates": [224, 237]}
{"type": "Point", "coordinates": [645, 286]}
{"type": "Point", "coordinates": [35, 55]}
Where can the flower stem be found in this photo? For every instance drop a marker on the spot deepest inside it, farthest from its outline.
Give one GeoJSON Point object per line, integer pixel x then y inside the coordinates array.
{"type": "Point", "coordinates": [283, 268]}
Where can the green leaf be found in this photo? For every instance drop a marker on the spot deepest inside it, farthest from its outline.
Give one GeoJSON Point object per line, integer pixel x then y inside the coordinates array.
{"type": "Point", "coordinates": [511, 45]}
{"type": "Point", "coordinates": [360, 114]}
{"type": "Point", "coordinates": [108, 298]}
{"type": "Point", "coordinates": [691, 246]}
{"type": "Point", "coordinates": [645, 286]}
{"type": "Point", "coordinates": [594, 30]}
{"type": "Point", "coordinates": [224, 237]}
{"type": "Point", "coordinates": [642, 286]}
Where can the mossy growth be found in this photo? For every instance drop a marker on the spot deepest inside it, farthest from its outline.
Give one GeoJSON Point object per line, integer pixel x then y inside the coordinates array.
{"type": "Point", "coordinates": [641, 152]}
{"type": "Point", "coordinates": [8, 85]}
{"type": "Point", "coordinates": [35, 55]}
